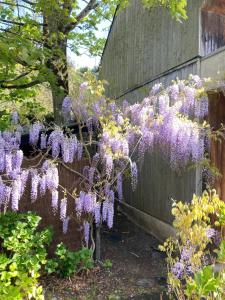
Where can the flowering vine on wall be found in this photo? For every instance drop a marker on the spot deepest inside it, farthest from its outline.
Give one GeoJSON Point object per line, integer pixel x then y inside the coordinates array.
{"type": "Point", "coordinates": [107, 136]}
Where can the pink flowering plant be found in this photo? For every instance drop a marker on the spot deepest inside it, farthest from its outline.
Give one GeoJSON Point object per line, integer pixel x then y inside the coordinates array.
{"type": "Point", "coordinates": [111, 139]}
{"type": "Point", "coordinates": [196, 255]}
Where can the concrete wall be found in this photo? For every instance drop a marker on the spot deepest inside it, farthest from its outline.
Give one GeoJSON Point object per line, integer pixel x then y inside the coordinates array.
{"type": "Point", "coordinates": [144, 43]}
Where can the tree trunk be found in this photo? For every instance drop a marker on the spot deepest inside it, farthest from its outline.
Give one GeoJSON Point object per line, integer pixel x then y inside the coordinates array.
{"type": "Point", "coordinates": [59, 85]}
{"type": "Point", "coordinates": [56, 43]}
{"type": "Point", "coordinates": [97, 243]}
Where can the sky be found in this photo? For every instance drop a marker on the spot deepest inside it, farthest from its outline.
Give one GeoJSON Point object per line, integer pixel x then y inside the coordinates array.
{"type": "Point", "coordinates": [83, 60]}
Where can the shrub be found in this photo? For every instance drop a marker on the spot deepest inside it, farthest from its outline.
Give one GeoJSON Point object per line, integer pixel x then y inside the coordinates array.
{"type": "Point", "coordinates": [67, 263]}
{"type": "Point", "coordinates": [196, 256]}
{"type": "Point", "coordinates": [23, 255]}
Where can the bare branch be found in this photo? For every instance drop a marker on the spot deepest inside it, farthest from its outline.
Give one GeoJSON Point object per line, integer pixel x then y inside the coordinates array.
{"type": "Point", "coordinates": [92, 4]}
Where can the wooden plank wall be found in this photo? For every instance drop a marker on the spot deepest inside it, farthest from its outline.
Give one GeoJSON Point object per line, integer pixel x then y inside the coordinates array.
{"type": "Point", "coordinates": [145, 43]}
{"type": "Point", "coordinates": [217, 147]}
{"type": "Point", "coordinates": [157, 183]}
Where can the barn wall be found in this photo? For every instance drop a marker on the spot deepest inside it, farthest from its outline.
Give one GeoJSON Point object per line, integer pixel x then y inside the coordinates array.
{"type": "Point", "coordinates": [157, 183]}
{"type": "Point", "coordinates": [181, 72]}
{"type": "Point", "coordinates": [144, 43]}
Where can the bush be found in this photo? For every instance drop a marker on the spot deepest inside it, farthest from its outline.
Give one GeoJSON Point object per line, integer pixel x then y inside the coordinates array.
{"type": "Point", "coordinates": [67, 263]}
{"type": "Point", "coordinates": [196, 256]}
{"type": "Point", "coordinates": [23, 253]}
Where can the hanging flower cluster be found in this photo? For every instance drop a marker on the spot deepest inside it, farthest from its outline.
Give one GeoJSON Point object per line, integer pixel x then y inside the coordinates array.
{"type": "Point", "coordinates": [171, 120]}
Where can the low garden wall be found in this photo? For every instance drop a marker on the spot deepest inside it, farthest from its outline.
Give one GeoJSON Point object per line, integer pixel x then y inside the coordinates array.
{"type": "Point", "coordinates": [42, 206]}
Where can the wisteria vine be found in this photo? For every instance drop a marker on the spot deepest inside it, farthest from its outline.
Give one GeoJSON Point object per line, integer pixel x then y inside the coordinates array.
{"type": "Point", "coordinates": [109, 137]}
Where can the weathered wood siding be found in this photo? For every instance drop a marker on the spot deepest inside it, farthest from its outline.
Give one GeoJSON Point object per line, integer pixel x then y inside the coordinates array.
{"type": "Point", "coordinates": [182, 72]}
{"type": "Point", "coordinates": [145, 43]}
{"type": "Point", "coordinates": [157, 184]}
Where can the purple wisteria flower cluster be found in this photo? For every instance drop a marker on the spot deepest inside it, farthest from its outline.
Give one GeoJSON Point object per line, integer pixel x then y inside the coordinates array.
{"type": "Point", "coordinates": [169, 119]}
{"type": "Point", "coordinates": [183, 267]}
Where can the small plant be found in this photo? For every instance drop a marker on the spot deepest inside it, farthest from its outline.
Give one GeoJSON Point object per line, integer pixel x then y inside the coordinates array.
{"type": "Point", "coordinates": [196, 256]}
{"type": "Point", "coordinates": [107, 264]}
{"type": "Point", "coordinates": [23, 253]}
{"type": "Point", "coordinates": [67, 263]}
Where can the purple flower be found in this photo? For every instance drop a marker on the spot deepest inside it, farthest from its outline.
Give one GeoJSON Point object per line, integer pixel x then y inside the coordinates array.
{"type": "Point", "coordinates": [17, 160]}
{"type": "Point", "coordinates": [79, 151]}
{"type": "Point", "coordinates": [86, 226]}
{"type": "Point", "coordinates": [174, 92]}
{"type": "Point", "coordinates": [66, 108]}
{"type": "Point", "coordinates": [55, 141]}
{"type": "Point", "coordinates": [163, 103]}
{"type": "Point", "coordinates": [178, 269]}
{"type": "Point", "coordinates": [84, 85]}
{"type": "Point", "coordinates": [55, 198]}
{"type": "Point", "coordinates": [16, 194]}
{"type": "Point", "coordinates": [8, 192]}
{"type": "Point", "coordinates": [8, 163]}
{"type": "Point", "coordinates": [72, 148]}
{"type": "Point", "coordinates": [43, 185]}
{"type": "Point", "coordinates": [105, 210]}
{"type": "Point", "coordinates": [79, 202]}
{"type": "Point", "coordinates": [210, 233]}
{"type": "Point", "coordinates": [65, 224]}
{"type": "Point", "coordinates": [34, 186]}
{"type": "Point", "coordinates": [34, 133]}
{"type": "Point", "coordinates": [186, 254]}
{"type": "Point", "coordinates": [156, 89]}
{"type": "Point", "coordinates": [110, 214]}
{"type": "Point", "coordinates": [97, 213]}
{"type": "Point", "coordinates": [108, 164]}
{"type": "Point", "coordinates": [52, 178]}
{"type": "Point", "coordinates": [89, 202]}
{"type": "Point", "coordinates": [91, 175]}
{"type": "Point", "coordinates": [134, 173]}
{"type": "Point", "coordinates": [63, 208]}
{"type": "Point", "coordinates": [66, 150]}
{"type": "Point", "coordinates": [95, 159]}
{"type": "Point", "coordinates": [43, 144]}
{"type": "Point", "coordinates": [24, 176]}
{"type": "Point", "coordinates": [2, 161]}
{"type": "Point", "coordinates": [120, 186]}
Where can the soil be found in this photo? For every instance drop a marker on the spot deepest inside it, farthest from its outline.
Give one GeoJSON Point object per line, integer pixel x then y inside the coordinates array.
{"type": "Point", "coordinates": [132, 267]}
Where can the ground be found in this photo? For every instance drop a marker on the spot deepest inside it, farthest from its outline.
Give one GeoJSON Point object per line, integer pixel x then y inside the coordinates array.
{"type": "Point", "coordinates": [131, 268]}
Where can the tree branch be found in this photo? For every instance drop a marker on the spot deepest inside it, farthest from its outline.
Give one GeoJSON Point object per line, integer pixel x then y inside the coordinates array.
{"type": "Point", "coordinates": [14, 4]}
{"type": "Point", "coordinates": [20, 86]}
{"type": "Point", "coordinates": [92, 4]}
{"type": "Point", "coordinates": [18, 34]}
{"type": "Point", "coordinates": [29, 2]}
{"type": "Point", "coordinates": [16, 78]}
{"type": "Point", "coordinates": [20, 23]}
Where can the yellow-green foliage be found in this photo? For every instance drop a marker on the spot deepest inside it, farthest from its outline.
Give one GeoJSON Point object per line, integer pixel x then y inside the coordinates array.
{"type": "Point", "coordinates": [192, 222]}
